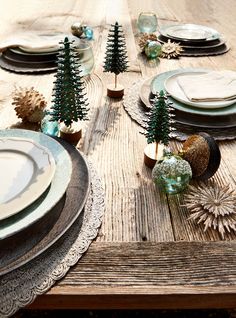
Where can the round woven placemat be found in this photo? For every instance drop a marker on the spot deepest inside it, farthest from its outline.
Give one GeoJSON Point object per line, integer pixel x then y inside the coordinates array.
{"type": "Point", "coordinates": [21, 286]}
{"type": "Point", "coordinates": [138, 112]}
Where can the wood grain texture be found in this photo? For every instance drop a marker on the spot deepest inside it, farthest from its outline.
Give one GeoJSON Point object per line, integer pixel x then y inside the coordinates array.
{"type": "Point", "coordinates": [119, 271]}
{"type": "Point", "coordinates": [149, 275]}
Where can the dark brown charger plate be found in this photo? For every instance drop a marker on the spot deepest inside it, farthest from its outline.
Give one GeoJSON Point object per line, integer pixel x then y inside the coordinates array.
{"type": "Point", "coordinates": [193, 44]}
{"type": "Point", "coordinates": [24, 246]}
{"type": "Point", "coordinates": [206, 51]}
{"type": "Point", "coordinates": [187, 118]}
{"type": "Point", "coordinates": [20, 55]}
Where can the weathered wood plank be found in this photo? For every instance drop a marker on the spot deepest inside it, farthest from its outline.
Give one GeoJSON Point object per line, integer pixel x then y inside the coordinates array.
{"type": "Point", "coordinates": [171, 275]}
{"type": "Point", "coordinates": [108, 299]}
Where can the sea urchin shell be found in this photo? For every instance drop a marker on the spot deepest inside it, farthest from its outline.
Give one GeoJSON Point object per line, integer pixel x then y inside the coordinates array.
{"type": "Point", "coordinates": [145, 38]}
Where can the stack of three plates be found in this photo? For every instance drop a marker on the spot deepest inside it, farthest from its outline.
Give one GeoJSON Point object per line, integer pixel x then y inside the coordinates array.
{"type": "Point", "coordinates": [38, 203]}
{"type": "Point", "coordinates": [221, 114]}
{"type": "Point", "coordinates": [29, 52]}
{"type": "Point", "coordinates": [20, 60]}
{"type": "Point", "coordinates": [196, 40]}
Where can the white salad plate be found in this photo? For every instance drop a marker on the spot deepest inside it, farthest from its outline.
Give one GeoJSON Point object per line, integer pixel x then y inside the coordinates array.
{"type": "Point", "coordinates": [172, 87]}
{"type": "Point", "coordinates": [53, 190]}
{"type": "Point", "coordinates": [27, 169]}
{"type": "Point", "coordinates": [190, 32]}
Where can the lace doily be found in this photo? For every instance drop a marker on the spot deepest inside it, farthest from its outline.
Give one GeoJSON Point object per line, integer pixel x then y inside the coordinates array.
{"type": "Point", "coordinates": [21, 286]}
{"type": "Point", "coordinates": [134, 107]}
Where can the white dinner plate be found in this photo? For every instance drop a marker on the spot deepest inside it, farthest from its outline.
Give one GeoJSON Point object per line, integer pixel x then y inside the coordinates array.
{"type": "Point", "coordinates": [54, 192]}
{"type": "Point", "coordinates": [190, 32]}
{"type": "Point", "coordinates": [27, 169]}
{"type": "Point", "coordinates": [172, 87]}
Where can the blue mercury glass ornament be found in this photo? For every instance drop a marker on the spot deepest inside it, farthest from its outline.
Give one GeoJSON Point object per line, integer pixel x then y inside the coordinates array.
{"type": "Point", "coordinates": [152, 49]}
{"type": "Point", "coordinates": [172, 173]}
{"type": "Point", "coordinates": [88, 32]}
{"type": "Point", "coordinates": [48, 126]}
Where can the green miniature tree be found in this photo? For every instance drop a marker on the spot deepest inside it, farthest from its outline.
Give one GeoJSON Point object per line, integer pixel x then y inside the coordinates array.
{"type": "Point", "coordinates": [159, 120]}
{"type": "Point", "coordinates": [116, 55]}
{"type": "Point", "coordinates": [69, 103]}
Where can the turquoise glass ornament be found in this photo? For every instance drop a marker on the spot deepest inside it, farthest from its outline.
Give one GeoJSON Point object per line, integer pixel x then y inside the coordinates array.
{"type": "Point", "coordinates": [152, 49]}
{"type": "Point", "coordinates": [48, 126]}
{"type": "Point", "coordinates": [147, 22]}
{"type": "Point", "coordinates": [88, 32]}
{"type": "Point", "coordinates": [171, 173]}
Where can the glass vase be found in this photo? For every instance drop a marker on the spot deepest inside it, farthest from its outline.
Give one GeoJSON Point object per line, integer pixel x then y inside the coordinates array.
{"type": "Point", "coordinates": [147, 22]}
{"type": "Point", "coordinates": [85, 57]}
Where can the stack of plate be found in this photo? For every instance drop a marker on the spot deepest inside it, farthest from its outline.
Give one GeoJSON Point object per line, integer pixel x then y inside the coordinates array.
{"type": "Point", "coordinates": [220, 114]}
{"type": "Point", "coordinates": [196, 40]}
{"type": "Point", "coordinates": [31, 52]}
{"type": "Point", "coordinates": [37, 195]}
{"type": "Point", "coordinates": [21, 60]}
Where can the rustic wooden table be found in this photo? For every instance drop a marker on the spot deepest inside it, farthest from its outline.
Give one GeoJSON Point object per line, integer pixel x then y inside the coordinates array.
{"type": "Point", "coordinates": [147, 254]}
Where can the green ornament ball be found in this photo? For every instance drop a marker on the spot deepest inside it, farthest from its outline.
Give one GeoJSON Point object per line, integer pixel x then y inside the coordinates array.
{"type": "Point", "coordinates": [153, 49]}
{"type": "Point", "coordinates": [171, 173]}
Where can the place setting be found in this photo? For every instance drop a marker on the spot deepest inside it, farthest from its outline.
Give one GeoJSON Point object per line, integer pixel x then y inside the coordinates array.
{"type": "Point", "coordinates": [175, 40]}
{"type": "Point", "coordinates": [36, 52]}
{"type": "Point", "coordinates": [202, 100]}
{"type": "Point", "coordinates": [195, 40]}
{"type": "Point", "coordinates": [67, 207]}
{"type": "Point", "coordinates": [30, 52]}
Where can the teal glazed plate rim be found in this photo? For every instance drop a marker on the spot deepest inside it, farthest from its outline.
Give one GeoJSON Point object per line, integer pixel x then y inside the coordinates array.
{"type": "Point", "coordinates": [52, 195]}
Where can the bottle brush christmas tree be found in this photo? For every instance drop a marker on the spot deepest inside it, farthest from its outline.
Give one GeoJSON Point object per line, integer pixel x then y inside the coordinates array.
{"type": "Point", "coordinates": [158, 125]}
{"type": "Point", "coordinates": [69, 103]}
{"type": "Point", "coordinates": [116, 60]}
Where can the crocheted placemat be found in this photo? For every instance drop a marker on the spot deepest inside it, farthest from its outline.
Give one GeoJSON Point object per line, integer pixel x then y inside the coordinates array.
{"type": "Point", "coordinates": [21, 286]}
{"type": "Point", "coordinates": [136, 110]}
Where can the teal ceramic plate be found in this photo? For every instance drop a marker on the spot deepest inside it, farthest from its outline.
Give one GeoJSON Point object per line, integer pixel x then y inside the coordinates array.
{"type": "Point", "coordinates": [52, 195]}
{"type": "Point", "coordinates": [157, 84]}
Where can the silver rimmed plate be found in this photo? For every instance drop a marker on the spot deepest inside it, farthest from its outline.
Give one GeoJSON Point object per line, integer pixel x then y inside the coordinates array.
{"type": "Point", "coordinates": [27, 169]}
{"type": "Point", "coordinates": [190, 32]}
{"type": "Point", "coordinates": [172, 87]}
{"type": "Point", "coordinates": [54, 192]}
